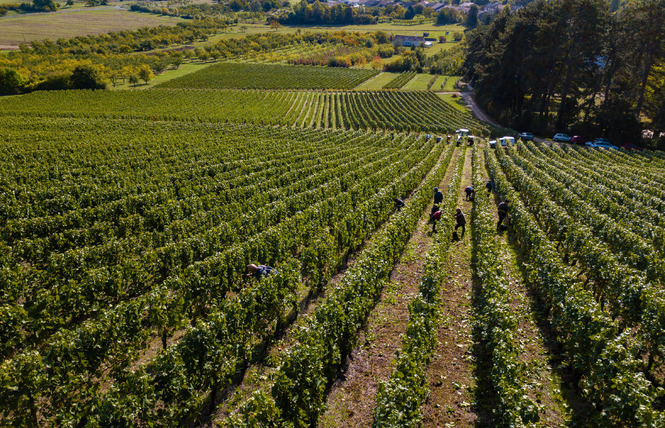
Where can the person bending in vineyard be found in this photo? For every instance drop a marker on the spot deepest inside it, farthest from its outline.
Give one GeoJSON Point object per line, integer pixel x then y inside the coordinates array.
{"type": "Point", "coordinates": [503, 212]}
{"type": "Point", "coordinates": [470, 193]}
{"type": "Point", "coordinates": [260, 271]}
{"type": "Point", "coordinates": [438, 196]}
{"type": "Point", "coordinates": [460, 221]}
{"type": "Point", "coordinates": [399, 204]}
{"type": "Point", "coordinates": [436, 216]}
{"type": "Point", "coordinates": [489, 186]}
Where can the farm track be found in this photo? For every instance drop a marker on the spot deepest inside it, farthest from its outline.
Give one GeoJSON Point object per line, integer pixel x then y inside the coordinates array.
{"type": "Point", "coordinates": [259, 374]}
{"type": "Point", "coordinates": [352, 396]}
{"type": "Point", "coordinates": [538, 348]}
{"type": "Point", "coordinates": [450, 374]}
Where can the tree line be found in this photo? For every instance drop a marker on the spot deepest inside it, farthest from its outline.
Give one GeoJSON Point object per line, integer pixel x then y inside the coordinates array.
{"type": "Point", "coordinates": [582, 66]}
{"type": "Point", "coordinates": [93, 62]}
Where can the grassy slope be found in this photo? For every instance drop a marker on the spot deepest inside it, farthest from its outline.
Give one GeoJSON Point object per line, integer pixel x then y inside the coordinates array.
{"type": "Point", "coordinates": [170, 74]}
{"type": "Point", "coordinates": [418, 83]}
{"type": "Point", "coordinates": [455, 101]}
{"type": "Point", "coordinates": [377, 82]}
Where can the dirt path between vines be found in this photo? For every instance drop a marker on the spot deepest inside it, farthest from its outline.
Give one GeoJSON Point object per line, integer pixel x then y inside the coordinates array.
{"type": "Point", "coordinates": [352, 397]}
{"type": "Point", "coordinates": [551, 385]}
{"type": "Point", "coordinates": [450, 374]}
{"type": "Point", "coordinates": [259, 373]}
{"type": "Point", "coordinates": [540, 356]}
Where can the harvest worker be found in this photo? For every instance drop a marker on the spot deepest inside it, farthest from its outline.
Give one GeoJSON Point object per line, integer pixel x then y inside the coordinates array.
{"type": "Point", "coordinates": [438, 196]}
{"type": "Point", "coordinates": [260, 271]}
{"type": "Point", "coordinates": [448, 139]}
{"type": "Point", "coordinates": [470, 193]}
{"type": "Point", "coordinates": [399, 204]}
{"type": "Point", "coordinates": [503, 212]}
{"type": "Point", "coordinates": [489, 186]}
{"type": "Point", "coordinates": [436, 216]}
{"type": "Point", "coordinates": [460, 221]}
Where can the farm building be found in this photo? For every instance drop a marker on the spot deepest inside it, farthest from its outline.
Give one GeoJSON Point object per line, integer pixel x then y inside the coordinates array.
{"type": "Point", "coordinates": [411, 41]}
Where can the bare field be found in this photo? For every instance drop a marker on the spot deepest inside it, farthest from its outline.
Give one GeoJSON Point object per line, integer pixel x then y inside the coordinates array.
{"type": "Point", "coordinates": [17, 29]}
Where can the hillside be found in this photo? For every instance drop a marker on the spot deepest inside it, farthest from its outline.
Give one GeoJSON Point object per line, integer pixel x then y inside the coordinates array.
{"type": "Point", "coordinates": [129, 221]}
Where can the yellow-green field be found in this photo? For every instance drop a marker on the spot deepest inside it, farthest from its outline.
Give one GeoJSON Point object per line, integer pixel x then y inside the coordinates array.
{"type": "Point", "coordinates": [439, 47]}
{"type": "Point", "coordinates": [455, 101]}
{"type": "Point", "coordinates": [17, 29]}
{"type": "Point", "coordinates": [171, 73]}
{"type": "Point", "coordinates": [446, 84]}
{"type": "Point", "coordinates": [418, 83]}
{"type": "Point", "coordinates": [376, 82]}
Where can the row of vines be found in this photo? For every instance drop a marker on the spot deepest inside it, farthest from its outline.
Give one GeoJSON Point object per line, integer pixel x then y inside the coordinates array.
{"type": "Point", "coordinates": [117, 234]}
{"type": "Point", "coordinates": [375, 110]}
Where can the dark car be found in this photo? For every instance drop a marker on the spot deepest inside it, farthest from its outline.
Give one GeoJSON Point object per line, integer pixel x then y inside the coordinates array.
{"type": "Point", "coordinates": [526, 136]}
{"type": "Point", "coordinates": [578, 139]}
{"type": "Point", "coordinates": [632, 147]}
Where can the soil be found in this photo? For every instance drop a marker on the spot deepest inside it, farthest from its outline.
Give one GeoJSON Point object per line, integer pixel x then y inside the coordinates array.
{"type": "Point", "coordinates": [258, 374]}
{"type": "Point", "coordinates": [450, 375]}
{"type": "Point", "coordinates": [352, 396]}
{"type": "Point", "coordinates": [551, 384]}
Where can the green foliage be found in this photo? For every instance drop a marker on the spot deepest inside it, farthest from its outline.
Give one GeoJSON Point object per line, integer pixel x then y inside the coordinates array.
{"type": "Point", "coordinates": [86, 77]}
{"type": "Point", "coordinates": [394, 110]}
{"type": "Point", "coordinates": [399, 400]}
{"type": "Point", "coordinates": [496, 322]}
{"type": "Point", "coordinates": [331, 333]}
{"type": "Point", "coordinates": [265, 76]}
{"type": "Point", "coordinates": [573, 64]}
{"type": "Point", "coordinates": [600, 350]}
{"type": "Point", "coordinates": [401, 80]}
{"type": "Point", "coordinates": [166, 245]}
{"type": "Point", "coordinates": [11, 82]}
{"type": "Point", "coordinates": [471, 20]}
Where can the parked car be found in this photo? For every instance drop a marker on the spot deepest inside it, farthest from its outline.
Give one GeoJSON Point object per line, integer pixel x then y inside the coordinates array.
{"type": "Point", "coordinates": [526, 136]}
{"type": "Point", "coordinates": [602, 140]}
{"type": "Point", "coordinates": [562, 137]}
{"type": "Point", "coordinates": [599, 144]}
{"type": "Point", "coordinates": [632, 147]}
{"type": "Point", "coordinates": [578, 139]}
{"type": "Point", "coordinates": [504, 141]}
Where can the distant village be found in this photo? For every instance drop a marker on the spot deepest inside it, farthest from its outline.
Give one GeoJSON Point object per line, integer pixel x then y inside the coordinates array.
{"type": "Point", "coordinates": [492, 7]}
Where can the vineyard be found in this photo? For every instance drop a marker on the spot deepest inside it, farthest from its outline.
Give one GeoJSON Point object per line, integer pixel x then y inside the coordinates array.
{"type": "Point", "coordinates": [353, 110]}
{"type": "Point", "coordinates": [401, 80]}
{"type": "Point", "coordinates": [271, 76]}
{"type": "Point", "coordinates": [128, 220]}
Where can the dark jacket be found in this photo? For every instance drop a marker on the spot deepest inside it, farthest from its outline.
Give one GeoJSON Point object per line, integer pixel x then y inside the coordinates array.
{"type": "Point", "coordinates": [264, 271]}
